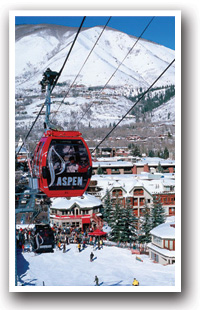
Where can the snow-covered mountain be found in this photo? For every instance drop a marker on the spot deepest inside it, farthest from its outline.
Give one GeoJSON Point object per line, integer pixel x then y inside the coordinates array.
{"type": "Point", "coordinates": [41, 46]}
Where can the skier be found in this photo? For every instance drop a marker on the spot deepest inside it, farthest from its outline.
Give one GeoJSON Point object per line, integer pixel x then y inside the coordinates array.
{"type": "Point", "coordinates": [59, 245]}
{"type": "Point", "coordinates": [96, 280]}
{"type": "Point", "coordinates": [79, 247]}
{"type": "Point", "coordinates": [64, 248]}
{"type": "Point", "coordinates": [84, 244]}
{"type": "Point", "coordinates": [135, 282]}
{"type": "Point", "coordinates": [91, 256]}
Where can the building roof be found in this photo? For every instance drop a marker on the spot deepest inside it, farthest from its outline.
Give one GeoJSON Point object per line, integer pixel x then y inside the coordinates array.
{"type": "Point", "coordinates": [164, 252]}
{"type": "Point", "coordinates": [86, 201]}
{"type": "Point", "coordinates": [153, 161]}
{"type": "Point", "coordinates": [116, 161]}
{"type": "Point", "coordinates": [110, 164]}
{"type": "Point", "coordinates": [165, 230]}
{"type": "Point", "coordinates": [128, 182]}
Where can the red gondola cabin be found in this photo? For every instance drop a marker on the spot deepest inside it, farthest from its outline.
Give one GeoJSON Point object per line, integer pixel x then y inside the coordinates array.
{"type": "Point", "coordinates": [62, 164]}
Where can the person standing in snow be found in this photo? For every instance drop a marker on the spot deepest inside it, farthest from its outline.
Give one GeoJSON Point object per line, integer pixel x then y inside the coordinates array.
{"type": "Point", "coordinates": [64, 248]}
{"type": "Point", "coordinates": [91, 256]}
{"type": "Point", "coordinates": [135, 282]}
{"type": "Point", "coordinates": [101, 244]}
{"type": "Point", "coordinates": [96, 280]}
{"type": "Point", "coordinates": [79, 247]}
{"type": "Point", "coordinates": [83, 244]}
{"type": "Point", "coordinates": [59, 245]}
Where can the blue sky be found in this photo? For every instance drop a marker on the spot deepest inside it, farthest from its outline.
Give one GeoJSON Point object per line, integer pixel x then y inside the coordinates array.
{"type": "Point", "coordinates": [161, 30]}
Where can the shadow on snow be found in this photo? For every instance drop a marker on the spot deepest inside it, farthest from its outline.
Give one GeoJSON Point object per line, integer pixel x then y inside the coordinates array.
{"type": "Point", "coordinates": [22, 266]}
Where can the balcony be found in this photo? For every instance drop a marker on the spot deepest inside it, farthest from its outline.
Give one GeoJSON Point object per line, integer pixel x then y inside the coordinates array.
{"type": "Point", "coordinates": [138, 192]}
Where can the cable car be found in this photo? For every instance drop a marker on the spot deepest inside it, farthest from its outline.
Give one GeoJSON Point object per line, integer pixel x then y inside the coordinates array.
{"type": "Point", "coordinates": [62, 164]}
{"type": "Point", "coordinates": [43, 239]}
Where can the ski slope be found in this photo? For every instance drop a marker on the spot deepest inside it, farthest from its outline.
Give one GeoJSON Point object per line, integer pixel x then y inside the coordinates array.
{"type": "Point", "coordinates": [113, 266]}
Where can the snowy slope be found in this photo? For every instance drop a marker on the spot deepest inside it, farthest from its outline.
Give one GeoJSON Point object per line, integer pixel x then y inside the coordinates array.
{"type": "Point", "coordinates": [164, 113]}
{"type": "Point", "coordinates": [41, 48]}
{"type": "Point", "coordinates": [98, 115]}
{"type": "Point", "coordinates": [113, 266]}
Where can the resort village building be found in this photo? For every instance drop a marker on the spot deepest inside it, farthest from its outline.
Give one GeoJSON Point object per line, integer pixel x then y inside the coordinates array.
{"type": "Point", "coordinates": [136, 190]}
{"type": "Point", "coordinates": [162, 247]}
{"type": "Point", "coordinates": [81, 212]}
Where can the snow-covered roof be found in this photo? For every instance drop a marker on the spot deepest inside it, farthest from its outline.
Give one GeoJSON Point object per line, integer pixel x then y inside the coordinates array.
{"type": "Point", "coordinates": [128, 182]}
{"type": "Point", "coordinates": [109, 164]}
{"type": "Point", "coordinates": [154, 161]}
{"type": "Point", "coordinates": [165, 230]}
{"type": "Point", "coordinates": [164, 252]}
{"type": "Point", "coordinates": [86, 201]}
{"type": "Point", "coordinates": [116, 181]}
{"type": "Point", "coordinates": [116, 161]}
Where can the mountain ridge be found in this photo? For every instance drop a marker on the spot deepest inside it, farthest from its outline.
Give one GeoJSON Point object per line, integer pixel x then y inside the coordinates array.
{"type": "Point", "coordinates": [51, 44]}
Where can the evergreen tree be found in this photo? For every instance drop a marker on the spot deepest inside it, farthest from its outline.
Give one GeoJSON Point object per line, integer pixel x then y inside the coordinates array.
{"type": "Point", "coordinates": [129, 222]}
{"type": "Point", "coordinates": [157, 212]}
{"type": "Point", "coordinates": [145, 226]}
{"type": "Point", "coordinates": [135, 150]}
{"type": "Point", "coordinates": [123, 223]}
{"type": "Point", "coordinates": [108, 209]}
{"type": "Point", "coordinates": [160, 168]}
{"type": "Point", "coordinates": [165, 153]}
{"type": "Point", "coordinates": [151, 153]}
{"type": "Point", "coordinates": [116, 223]}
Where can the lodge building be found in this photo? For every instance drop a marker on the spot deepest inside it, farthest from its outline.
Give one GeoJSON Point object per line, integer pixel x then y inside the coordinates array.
{"type": "Point", "coordinates": [162, 246]}
{"type": "Point", "coordinates": [78, 212]}
{"type": "Point", "coordinates": [135, 191]}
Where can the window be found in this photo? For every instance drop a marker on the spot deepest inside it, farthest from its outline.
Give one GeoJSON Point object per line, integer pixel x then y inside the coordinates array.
{"type": "Point", "coordinates": [157, 240]}
{"type": "Point", "coordinates": [166, 244]}
{"type": "Point", "coordinates": [67, 157]}
{"type": "Point", "coordinates": [117, 193]}
{"type": "Point", "coordinates": [171, 245]}
{"type": "Point", "coordinates": [135, 201]}
{"type": "Point", "coordinates": [37, 159]}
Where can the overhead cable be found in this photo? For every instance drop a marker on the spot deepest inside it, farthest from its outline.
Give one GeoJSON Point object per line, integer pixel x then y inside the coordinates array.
{"type": "Point", "coordinates": [52, 85]}
{"type": "Point", "coordinates": [83, 65]}
{"type": "Point", "coordinates": [68, 54]}
{"type": "Point", "coordinates": [118, 66]}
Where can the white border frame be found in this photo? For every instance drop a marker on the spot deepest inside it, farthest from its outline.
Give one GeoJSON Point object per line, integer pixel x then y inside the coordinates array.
{"type": "Point", "coordinates": [12, 15]}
